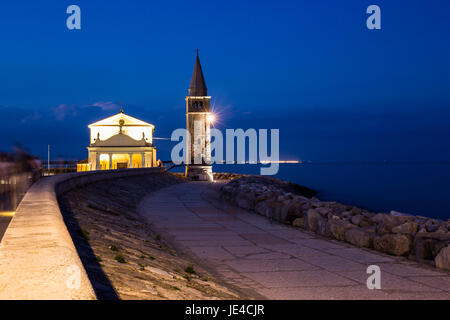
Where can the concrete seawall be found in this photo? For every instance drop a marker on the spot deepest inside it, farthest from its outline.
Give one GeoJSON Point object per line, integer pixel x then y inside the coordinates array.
{"type": "Point", "coordinates": [38, 259]}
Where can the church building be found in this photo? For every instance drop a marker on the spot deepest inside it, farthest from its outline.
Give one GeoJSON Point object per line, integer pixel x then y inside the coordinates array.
{"type": "Point", "coordinates": [118, 142]}
{"type": "Point", "coordinates": [122, 141]}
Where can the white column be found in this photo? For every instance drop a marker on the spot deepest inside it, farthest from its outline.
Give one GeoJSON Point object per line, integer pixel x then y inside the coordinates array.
{"type": "Point", "coordinates": [130, 161]}
{"type": "Point", "coordinates": [110, 161]}
{"type": "Point", "coordinates": [143, 160]}
{"type": "Point", "coordinates": [97, 160]}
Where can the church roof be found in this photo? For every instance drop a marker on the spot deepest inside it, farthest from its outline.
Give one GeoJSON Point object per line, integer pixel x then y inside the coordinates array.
{"type": "Point", "coordinates": [197, 87]}
{"type": "Point", "coordinates": [115, 119]}
{"type": "Point", "coordinates": [120, 140]}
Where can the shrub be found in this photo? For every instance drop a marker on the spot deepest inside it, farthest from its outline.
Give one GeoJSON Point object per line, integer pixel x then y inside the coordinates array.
{"type": "Point", "coordinates": [119, 258]}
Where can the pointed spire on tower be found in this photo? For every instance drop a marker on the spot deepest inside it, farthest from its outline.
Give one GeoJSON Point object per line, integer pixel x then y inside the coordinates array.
{"type": "Point", "coordinates": [198, 84]}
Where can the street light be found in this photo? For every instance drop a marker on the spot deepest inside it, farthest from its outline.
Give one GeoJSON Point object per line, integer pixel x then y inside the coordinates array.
{"type": "Point", "coordinates": [211, 118]}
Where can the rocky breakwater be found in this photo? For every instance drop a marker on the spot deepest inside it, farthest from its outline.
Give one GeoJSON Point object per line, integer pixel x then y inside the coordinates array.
{"type": "Point", "coordinates": [416, 237]}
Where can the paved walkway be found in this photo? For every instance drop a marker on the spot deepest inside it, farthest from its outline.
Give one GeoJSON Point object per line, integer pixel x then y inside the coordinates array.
{"type": "Point", "coordinates": [269, 260]}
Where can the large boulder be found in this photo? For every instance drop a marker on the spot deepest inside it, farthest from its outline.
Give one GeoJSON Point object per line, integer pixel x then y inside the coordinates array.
{"type": "Point", "coordinates": [299, 223]}
{"type": "Point", "coordinates": [262, 208]}
{"type": "Point", "coordinates": [312, 219]}
{"type": "Point", "coordinates": [323, 211]}
{"type": "Point", "coordinates": [432, 227]}
{"type": "Point", "coordinates": [338, 228]}
{"type": "Point", "coordinates": [291, 211]}
{"type": "Point", "coordinates": [442, 260]}
{"type": "Point", "coordinates": [423, 248]}
{"type": "Point", "coordinates": [395, 244]}
{"type": "Point", "coordinates": [428, 244]}
{"type": "Point", "coordinates": [406, 228]}
{"type": "Point", "coordinates": [245, 203]}
{"type": "Point", "coordinates": [385, 226]}
{"type": "Point", "coordinates": [361, 220]}
{"type": "Point", "coordinates": [361, 237]}
{"type": "Point", "coordinates": [355, 210]}
{"type": "Point", "coordinates": [322, 228]}
{"type": "Point", "coordinates": [274, 212]}
{"type": "Point", "coordinates": [357, 219]}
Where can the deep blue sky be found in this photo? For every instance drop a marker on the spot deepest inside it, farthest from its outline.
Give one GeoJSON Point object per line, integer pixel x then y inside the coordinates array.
{"type": "Point", "coordinates": [336, 90]}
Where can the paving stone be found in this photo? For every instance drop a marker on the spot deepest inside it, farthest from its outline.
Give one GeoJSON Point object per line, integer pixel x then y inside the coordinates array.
{"type": "Point", "coordinates": [389, 282]}
{"type": "Point", "coordinates": [288, 279]}
{"type": "Point", "coordinates": [268, 256]}
{"type": "Point", "coordinates": [334, 263]}
{"type": "Point", "coordinates": [296, 250]}
{"type": "Point", "coordinates": [242, 251]}
{"type": "Point", "coordinates": [260, 265]}
{"type": "Point", "coordinates": [324, 293]}
{"type": "Point", "coordinates": [214, 253]}
{"type": "Point", "coordinates": [261, 239]}
{"type": "Point", "coordinates": [360, 256]}
{"type": "Point", "coordinates": [410, 269]}
{"type": "Point", "coordinates": [438, 282]}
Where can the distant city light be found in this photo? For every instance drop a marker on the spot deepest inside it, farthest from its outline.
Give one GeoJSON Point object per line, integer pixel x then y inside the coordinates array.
{"type": "Point", "coordinates": [279, 161]}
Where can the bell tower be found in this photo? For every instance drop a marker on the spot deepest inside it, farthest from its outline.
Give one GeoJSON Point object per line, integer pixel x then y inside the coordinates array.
{"type": "Point", "coordinates": [198, 162]}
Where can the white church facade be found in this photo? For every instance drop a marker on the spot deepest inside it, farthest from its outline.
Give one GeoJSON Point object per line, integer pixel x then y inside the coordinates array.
{"type": "Point", "coordinates": [119, 142]}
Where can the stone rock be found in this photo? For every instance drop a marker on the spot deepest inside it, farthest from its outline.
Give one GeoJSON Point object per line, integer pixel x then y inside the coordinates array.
{"type": "Point", "coordinates": [244, 202]}
{"type": "Point", "coordinates": [395, 244]}
{"type": "Point", "coordinates": [338, 228]}
{"type": "Point", "coordinates": [355, 210]}
{"type": "Point", "coordinates": [322, 228]}
{"type": "Point", "coordinates": [356, 220]}
{"type": "Point", "coordinates": [346, 214]}
{"type": "Point", "coordinates": [260, 198]}
{"type": "Point", "coordinates": [428, 244]}
{"type": "Point", "coordinates": [360, 237]}
{"type": "Point", "coordinates": [439, 244]}
{"type": "Point", "coordinates": [400, 214]}
{"type": "Point", "coordinates": [379, 217]}
{"type": "Point", "coordinates": [299, 223]}
{"type": "Point", "coordinates": [262, 208]}
{"type": "Point", "coordinates": [323, 211]}
{"type": "Point", "coordinates": [406, 228]}
{"type": "Point", "coordinates": [316, 204]}
{"type": "Point", "coordinates": [442, 229]}
{"type": "Point", "coordinates": [423, 248]}
{"type": "Point", "coordinates": [432, 227]}
{"type": "Point", "coordinates": [283, 213]}
{"type": "Point", "coordinates": [275, 211]}
{"type": "Point", "coordinates": [386, 224]}
{"type": "Point", "coordinates": [368, 215]}
{"type": "Point", "coordinates": [361, 221]}
{"type": "Point", "coordinates": [295, 209]}
{"type": "Point", "coordinates": [312, 219]}
{"type": "Point", "coordinates": [422, 230]}
{"type": "Point", "coordinates": [384, 227]}
{"type": "Point", "coordinates": [442, 260]}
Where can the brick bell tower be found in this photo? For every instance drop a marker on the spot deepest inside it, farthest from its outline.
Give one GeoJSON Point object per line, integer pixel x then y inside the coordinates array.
{"type": "Point", "coordinates": [198, 162]}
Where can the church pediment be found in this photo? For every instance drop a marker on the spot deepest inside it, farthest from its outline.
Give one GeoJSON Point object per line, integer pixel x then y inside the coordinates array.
{"type": "Point", "coordinates": [121, 117]}
{"type": "Point", "coordinates": [120, 140]}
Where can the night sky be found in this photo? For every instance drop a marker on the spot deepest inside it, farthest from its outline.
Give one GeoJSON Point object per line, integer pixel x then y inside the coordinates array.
{"type": "Point", "coordinates": [336, 90]}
